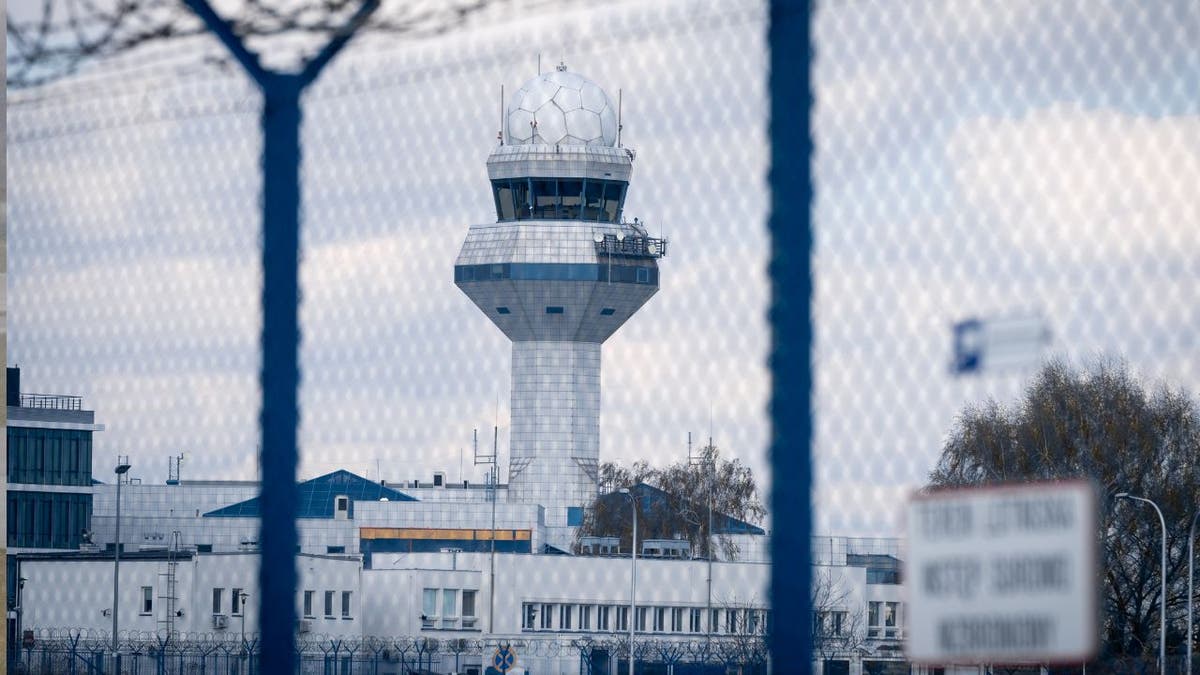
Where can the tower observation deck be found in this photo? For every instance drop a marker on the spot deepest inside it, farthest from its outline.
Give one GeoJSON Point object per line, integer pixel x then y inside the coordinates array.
{"type": "Point", "coordinates": [558, 272]}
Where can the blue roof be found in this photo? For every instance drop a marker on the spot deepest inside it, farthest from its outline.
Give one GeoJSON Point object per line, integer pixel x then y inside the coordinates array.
{"type": "Point", "coordinates": [316, 496]}
{"type": "Point", "coordinates": [652, 497]}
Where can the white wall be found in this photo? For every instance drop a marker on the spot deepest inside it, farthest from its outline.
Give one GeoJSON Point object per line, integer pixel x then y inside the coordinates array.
{"type": "Point", "coordinates": [66, 594]}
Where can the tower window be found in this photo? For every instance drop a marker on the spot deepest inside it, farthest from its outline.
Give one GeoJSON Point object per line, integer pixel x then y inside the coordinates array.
{"type": "Point", "coordinates": [554, 310]}
{"type": "Point", "coordinates": [643, 275]}
{"type": "Point", "coordinates": [502, 310]}
{"type": "Point", "coordinates": [607, 311]}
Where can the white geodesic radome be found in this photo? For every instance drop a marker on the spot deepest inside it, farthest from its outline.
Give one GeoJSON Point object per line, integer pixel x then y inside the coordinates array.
{"type": "Point", "coordinates": [561, 108]}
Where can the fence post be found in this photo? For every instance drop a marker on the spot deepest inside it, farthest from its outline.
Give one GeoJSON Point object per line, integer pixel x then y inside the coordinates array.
{"type": "Point", "coordinates": [790, 316]}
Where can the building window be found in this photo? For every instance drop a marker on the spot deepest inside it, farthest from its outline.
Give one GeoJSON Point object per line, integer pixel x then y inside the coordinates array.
{"type": "Point", "coordinates": [891, 619]}
{"type": "Point", "coordinates": [308, 604]}
{"type": "Point", "coordinates": [714, 621]}
{"type": "Point", "coordinates": [203, 548]}
{"type": "Point", "coordinates": [503, 310]}
{"type": "Point", "coordinates": [565, 615]}
{"type": "Point", "coordinates": [345, 604]}
{"type": "Point", "coordinates": [468, 609]}
{"type": "Point", "coordinates": [607, 311]}
{"type": "Point", "coordinates": [429, 608]}
{"type": "Point", "coordinates": [529, 617]}
{"type": "Point", "coordinates": [643, 275]}
{"type": "Point", "coordinates": [585, 617]}
{"type": "Point", "coordinates": [574, 516]}
{"type": "Point", "coordinates": [696, 621]}
{"type": "Point", "coordinates": [335, 549]}
{"type": "Point", "coordinates": [147, 600]}
{"type": "Point", "coordinates": [218, 601]}
{"type": "Point", "coordinates": [236, 601]}
{"type": "Point", "coordinates": [547, 617]}
{"type": "Point", "coordinates": [602, 617]}
{"type": "Point", "coordinates": [449, 608]}
{"type": "Point", "coordinates": [554, 310]}
{"type": "Point", "coordinates": [328, 604]}
{"type": "Point", "coordinates": [753, 623]}
{"type": "Point", "coordinates": [640, 618]}
{"type": "Point", "coordinates": [731, 621]}
{"type": "Point", "coordinates": [622, 618]}
{"type": "Point", "coordinates": [677, 620]}
{"type": "Point", "coordinates": [660, 615]}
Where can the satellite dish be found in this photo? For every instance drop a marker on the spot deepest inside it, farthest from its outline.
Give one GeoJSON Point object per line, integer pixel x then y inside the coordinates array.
{"type": "Point", "coordinates": [598, 238]}
{"type": "Point", "coordinates": [620, 236]}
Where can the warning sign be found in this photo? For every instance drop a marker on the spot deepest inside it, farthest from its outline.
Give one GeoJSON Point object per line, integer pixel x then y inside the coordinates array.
{"type": "Point", "coordinates": [1003, 574]}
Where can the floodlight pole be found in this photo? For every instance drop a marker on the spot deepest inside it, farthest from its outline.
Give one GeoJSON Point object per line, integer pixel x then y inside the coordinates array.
{"type": "Point", "coordinates": [280, 375]}
{"type": "Point", "coordinates": [633, 575]}
{"type": "Point", "coordinates": [121, 469]}
{"type": "Point", "coordinates": [1191, 590]}
{"type": "Point", "coordinates": [1162, 596]}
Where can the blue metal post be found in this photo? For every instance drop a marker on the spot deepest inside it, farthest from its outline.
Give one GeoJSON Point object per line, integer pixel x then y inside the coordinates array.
{"type": "Point", "coordinates": [280, 366]}
{"type": "Point", "coordinates": [280, 375]}
{"type": "Point", "coordinates": [790, 316]}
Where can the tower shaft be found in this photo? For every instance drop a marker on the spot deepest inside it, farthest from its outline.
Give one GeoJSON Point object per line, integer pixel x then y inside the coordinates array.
{"type": "Point", "coordinates": [555, 435]}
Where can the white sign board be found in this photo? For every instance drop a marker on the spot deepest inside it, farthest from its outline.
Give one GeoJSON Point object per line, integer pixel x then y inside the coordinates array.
{"type": "Point", "coordinates": [1002, 574]}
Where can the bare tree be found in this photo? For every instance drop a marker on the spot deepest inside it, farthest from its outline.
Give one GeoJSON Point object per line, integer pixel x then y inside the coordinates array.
{"type": "Point", "coordinates": [1101, 424]}
{"type": "Point", "coordinates": [675, 502]}
{"type": "Point", "coordinates": [839, 623]}
{"type": "Point", "coordinates": [53, 38]}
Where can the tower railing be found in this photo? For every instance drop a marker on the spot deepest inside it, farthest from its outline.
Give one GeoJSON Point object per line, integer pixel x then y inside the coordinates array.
{"type": "Point", "coordinates": [632, 247]}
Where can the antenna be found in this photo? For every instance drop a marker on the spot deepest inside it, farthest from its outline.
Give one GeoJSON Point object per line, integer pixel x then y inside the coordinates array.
{"type": "Point", "coordinates": [500, 134]}
{"type": "Point", "coordinates": [539, 63]}
{"type": "Point", "coordinates": [620, 94]}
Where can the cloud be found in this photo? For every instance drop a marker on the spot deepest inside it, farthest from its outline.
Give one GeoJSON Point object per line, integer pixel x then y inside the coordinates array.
{"type": "Point", "coordinates": [1074, 183]}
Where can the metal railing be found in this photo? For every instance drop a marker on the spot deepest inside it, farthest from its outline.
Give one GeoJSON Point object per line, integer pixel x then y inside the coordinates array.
{"type": "Point", "coordinates": [631, 247]}
{"type": "Point", "coordinates": [52, 401]}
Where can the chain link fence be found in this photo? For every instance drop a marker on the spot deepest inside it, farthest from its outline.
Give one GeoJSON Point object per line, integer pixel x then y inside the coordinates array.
{"type": "Point", "coordinates": [996, 186]}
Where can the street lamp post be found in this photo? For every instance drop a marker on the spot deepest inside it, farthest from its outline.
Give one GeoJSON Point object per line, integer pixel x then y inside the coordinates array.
{"type": "Point", "coordinates": [1162, 595]}
{"type": "Point", "coordinates": [121, 470]}
{"type": "Point", "coordinates": [242, 595]}
{"type": "Point", "coordinates": [633, 576]}
{"type": "Point", "coordinates": [245, 647]}
{"type": "Point", "coordinates": [1191, 592]}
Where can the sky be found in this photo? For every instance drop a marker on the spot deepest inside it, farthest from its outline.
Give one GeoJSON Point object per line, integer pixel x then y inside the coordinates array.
{"type": "Point", "coordinates": [974, 159]}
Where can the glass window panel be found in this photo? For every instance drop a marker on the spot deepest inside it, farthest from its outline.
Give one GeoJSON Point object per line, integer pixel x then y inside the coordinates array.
{"type": "Point", "coordinates": [429, 602]}
{"type": "Point", "coordinates": [217, 600]}
{"type": "Point", "coordinates": [345, 604]}
{"type": "Point", "coordinates": [329, 603]}
{"type": "Point", "coordinates": [593, 200]}
{"type": "Point", "coordinates": [308, 603]}
{"type": "Point", "coordinates": [520, 190]}
{"type": "Point", "coordinates": [147, 599]}
{"type": "Point", "coordinates": [468, 603]}
{"type": "Point", "coordinates": [449, 602]}
{"type": "Point", "coordinates": [505, 207]}
{"type": "Point", "coordinates": [545, 199]}
{"type": "Point", "coordinates": [613, 194]}
{"type": "Point", "coordinates": [571, 199]}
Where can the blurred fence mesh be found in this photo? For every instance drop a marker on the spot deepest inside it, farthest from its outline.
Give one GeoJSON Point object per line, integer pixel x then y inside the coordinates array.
{"type": "Point", "coordinates": [1020, 161]}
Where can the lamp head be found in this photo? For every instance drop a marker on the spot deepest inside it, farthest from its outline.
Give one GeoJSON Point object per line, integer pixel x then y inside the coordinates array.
{"type": "Point", "coordinates": [1121, 495]}
{"type": "Point", "coordinates": [121, 469]}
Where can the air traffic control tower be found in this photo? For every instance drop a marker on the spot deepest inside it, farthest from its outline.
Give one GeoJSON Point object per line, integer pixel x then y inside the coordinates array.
{"type": "Point", "coordinates": [559, 271]}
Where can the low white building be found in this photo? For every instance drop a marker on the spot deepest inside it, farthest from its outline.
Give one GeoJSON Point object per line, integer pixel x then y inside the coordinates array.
{"type": "Point", "coordinates": [179, 593]}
